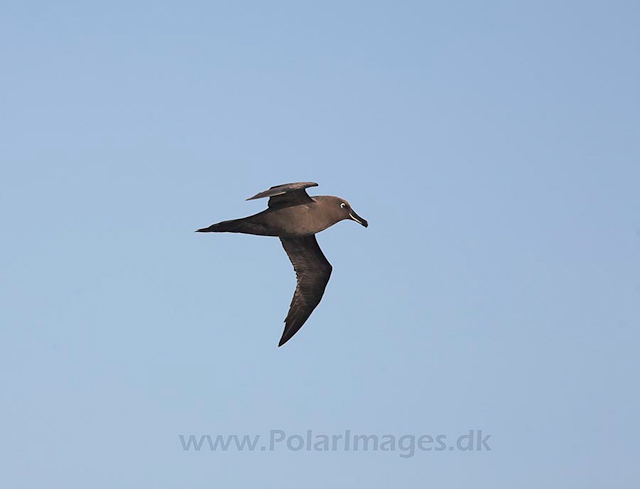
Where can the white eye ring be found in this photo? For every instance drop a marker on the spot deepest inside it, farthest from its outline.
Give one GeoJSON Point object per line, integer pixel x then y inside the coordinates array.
{"type": "Point", "coordinates": [343, 205]}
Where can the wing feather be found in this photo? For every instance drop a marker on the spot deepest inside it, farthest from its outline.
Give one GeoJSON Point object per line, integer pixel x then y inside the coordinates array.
{"type": "Point", "coordinates": [286, 194]}
{"type": "Point", "coordinates": [312, 272]}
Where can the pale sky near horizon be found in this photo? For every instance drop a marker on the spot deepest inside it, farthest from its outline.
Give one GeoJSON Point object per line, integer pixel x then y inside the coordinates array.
{"type": "Point", "coordinates": [493, 148]}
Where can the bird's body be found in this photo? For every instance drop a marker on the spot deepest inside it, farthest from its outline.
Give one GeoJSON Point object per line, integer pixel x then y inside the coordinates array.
{"type": "Point", "coordinates": [302, 219]}
{"type": "Point", "coordinates": [295, 218]}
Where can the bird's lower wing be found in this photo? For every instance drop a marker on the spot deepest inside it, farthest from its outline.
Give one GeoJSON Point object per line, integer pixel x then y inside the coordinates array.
{"type": "Point", "coordinates": [312, 271]}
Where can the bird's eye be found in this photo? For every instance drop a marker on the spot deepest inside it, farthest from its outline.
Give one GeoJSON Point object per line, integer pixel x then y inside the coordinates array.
{"type": "Point", "coordinates": [343, 205]}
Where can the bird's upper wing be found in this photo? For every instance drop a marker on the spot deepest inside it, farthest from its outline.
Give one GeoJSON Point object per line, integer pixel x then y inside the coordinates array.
{"type": "Point", "coordinates": [287, 194]}
{"type": "Point", "coordinates": [312, 271]}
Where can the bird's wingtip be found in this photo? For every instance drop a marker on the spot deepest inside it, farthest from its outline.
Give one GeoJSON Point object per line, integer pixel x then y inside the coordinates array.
{"type": "Point", "coordinates": [284, 338]}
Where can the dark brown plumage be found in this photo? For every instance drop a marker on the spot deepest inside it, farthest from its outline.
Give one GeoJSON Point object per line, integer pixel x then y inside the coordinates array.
{"type": "Point", "coordinates": [295, 218]}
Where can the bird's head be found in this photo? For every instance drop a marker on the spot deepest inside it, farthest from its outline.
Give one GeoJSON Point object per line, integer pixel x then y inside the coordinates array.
{"type": "Point", "coordinates": [346, 212]}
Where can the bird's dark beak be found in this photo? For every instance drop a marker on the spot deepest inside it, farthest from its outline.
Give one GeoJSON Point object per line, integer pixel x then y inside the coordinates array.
{"type": "Point", "coordinates": [357, 218]}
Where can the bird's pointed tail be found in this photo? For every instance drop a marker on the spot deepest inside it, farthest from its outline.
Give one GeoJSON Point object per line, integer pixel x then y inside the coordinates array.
{"type": "Point", "coordinates": [232, 226]}
{"type": "Point", "coordinates": [246, 225]}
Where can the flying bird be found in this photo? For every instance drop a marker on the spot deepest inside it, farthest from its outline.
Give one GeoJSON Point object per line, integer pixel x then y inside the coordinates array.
{"type": "Point", "coordinates": [295, 218]}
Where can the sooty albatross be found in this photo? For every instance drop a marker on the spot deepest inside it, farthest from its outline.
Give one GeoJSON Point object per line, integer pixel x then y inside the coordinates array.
{"type": "Point", "coordinates": [295, 218]}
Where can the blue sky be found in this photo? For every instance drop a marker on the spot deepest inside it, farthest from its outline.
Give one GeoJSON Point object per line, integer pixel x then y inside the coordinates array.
{"type": "Point", "coordinates": [492, 146]}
